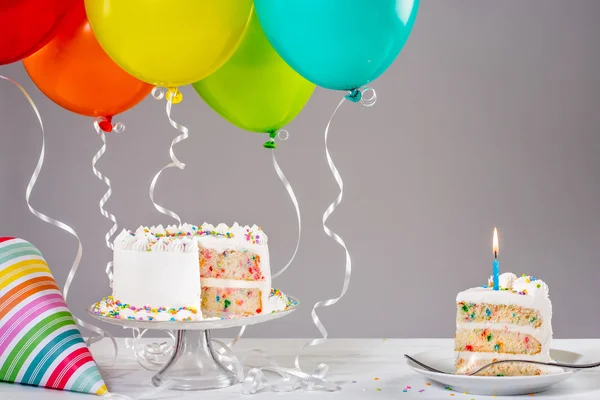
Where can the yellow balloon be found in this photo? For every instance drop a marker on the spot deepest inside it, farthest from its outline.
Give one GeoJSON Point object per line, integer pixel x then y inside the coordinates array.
{"type": "Point", "coordinates": [169, 42]}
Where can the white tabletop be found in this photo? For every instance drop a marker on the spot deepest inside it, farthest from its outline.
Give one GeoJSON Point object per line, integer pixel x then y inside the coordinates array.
{"type": "Point", "coordinates": [364, 368]}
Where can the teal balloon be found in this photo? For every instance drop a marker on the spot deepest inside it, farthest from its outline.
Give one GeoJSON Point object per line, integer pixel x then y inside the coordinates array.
{"type": "Point", "coordinates": [338, 44]}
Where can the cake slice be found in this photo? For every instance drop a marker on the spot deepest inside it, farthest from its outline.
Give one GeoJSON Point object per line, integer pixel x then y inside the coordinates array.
{"type": "Point", "coordinates": [234, 269]}
{"type": "Point", "coordinates": [514, 322]}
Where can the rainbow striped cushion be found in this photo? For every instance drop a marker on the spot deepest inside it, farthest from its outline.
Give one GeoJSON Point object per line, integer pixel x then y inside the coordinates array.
{"type": "Point", "coordinates": [40, 343]}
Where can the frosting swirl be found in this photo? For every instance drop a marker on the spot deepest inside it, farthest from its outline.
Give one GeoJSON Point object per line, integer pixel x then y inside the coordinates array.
{"type": "Point", "coordinates": [162, 244]}
{"type": "Point", "coordinates": [172, 238]}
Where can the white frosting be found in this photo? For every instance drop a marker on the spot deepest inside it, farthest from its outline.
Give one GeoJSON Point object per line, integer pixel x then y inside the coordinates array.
{"type": "Point", "coordinates": [527, 292]}
{"type": "Point", "coordinates": [190, 245]}
{"type": "Point", "coordinates": [176, 246]}
{"type": "Point", "coordinates": [504, 280]}
{"type": "Point", "coordinates": [276, 303]}
{"type": "Point", "coordinates": [162, 244]}
{"type": "Point", "coordinates": [156, 278]}
{"type": "Point", "coordinates": [172, 229]}
{"type": "Point", "coordinates": [220, 238]}
{"type": "Point", "coordinates": [141, 243]}
{"type": "Point", "coordinates": [158, 230]}
{"type": "Point", "coordinates": [124, 241]}
{"type": "Point", "coordinates": [188, 229]}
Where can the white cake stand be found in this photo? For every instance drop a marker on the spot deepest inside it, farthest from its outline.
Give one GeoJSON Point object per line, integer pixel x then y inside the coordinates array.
{"type": "Point", "coordinates": [195, 364]}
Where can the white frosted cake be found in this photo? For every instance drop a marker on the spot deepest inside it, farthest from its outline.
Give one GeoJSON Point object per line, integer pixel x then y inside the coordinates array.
{"type": "Point", "coordinates": [182, 273]}
{"type": "Point", "coordinates": [514, 322]}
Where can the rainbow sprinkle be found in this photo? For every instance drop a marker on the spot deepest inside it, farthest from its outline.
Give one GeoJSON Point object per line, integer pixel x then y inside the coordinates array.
{"type": "Point", "coordinates": [111, 308]}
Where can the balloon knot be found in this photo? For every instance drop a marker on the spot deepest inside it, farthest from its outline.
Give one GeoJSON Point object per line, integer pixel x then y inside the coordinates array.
{"type": "Point", "coordinates": [105, 123]}
{"type": "Point", "coordinates": [174, 95]}
{"type": "Point", "coordinates": [270, 144]}
{"type": "Point", "coordinates": [354, 95]}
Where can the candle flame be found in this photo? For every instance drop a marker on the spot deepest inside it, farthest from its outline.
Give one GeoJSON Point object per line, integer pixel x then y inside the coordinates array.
{"type": "Point", "coordinates": [495, 246]}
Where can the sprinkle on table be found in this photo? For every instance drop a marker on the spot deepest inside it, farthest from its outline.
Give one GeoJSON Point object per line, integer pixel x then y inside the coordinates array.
{"type": "Point", "coordinates": [353, 381]}
{"type": "Point", "coordinates": [427, 384]}
{"type": "Point", "coordinates": [378, 389]}
{"type": "Point", "coordinates": [376, 379]}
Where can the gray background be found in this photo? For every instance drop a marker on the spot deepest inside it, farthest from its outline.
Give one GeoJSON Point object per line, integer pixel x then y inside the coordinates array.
{"type": "Point", "coordinates": [489, 117]}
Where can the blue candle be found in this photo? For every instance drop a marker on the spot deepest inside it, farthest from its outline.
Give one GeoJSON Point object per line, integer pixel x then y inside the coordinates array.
{"type": "Point", "coordinates": [496, 264]}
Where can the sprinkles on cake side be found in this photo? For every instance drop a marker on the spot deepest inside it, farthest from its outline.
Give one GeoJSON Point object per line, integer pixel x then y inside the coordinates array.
{"type": "Point", "coordinates": [111, 308]}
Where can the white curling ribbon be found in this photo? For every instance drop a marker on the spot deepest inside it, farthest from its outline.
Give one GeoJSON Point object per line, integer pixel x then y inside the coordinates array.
{"type": "Point", "coordinates": [290, 190]}
{"type": "Point", "coordinates": [153, 356]}
{"type": "Point", "coordinates": [104, 199]}
{"type": "Point", "coordinates": [98, 333]}
{"type": "Point", "coordinates": [367, 102]}
{"type": "Point", "coordinates": [371, 99]}
{"type": "Point", "coordinates": [289, 379]}
{"type": "Point", "coordinates": [158, 93]}
{"type": "Point", "coordinates": [256, 381]}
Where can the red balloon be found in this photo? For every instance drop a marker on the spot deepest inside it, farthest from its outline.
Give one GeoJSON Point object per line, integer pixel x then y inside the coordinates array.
{"type": "Point", "coordinates": [27, 25]}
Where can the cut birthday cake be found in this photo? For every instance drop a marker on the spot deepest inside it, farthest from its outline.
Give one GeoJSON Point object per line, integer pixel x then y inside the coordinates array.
{"type": "Point", "coordinates": [514, 322]}
{"type": "Point", "coordinates": [190, 272]}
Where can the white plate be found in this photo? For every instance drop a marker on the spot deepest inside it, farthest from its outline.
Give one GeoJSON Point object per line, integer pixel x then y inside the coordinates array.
{"type": "Point", "coordinates": [443, 360]}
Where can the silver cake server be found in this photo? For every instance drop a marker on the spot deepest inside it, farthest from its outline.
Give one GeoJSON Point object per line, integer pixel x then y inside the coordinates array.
{"type": "Point", "coordinates": [552, 364]}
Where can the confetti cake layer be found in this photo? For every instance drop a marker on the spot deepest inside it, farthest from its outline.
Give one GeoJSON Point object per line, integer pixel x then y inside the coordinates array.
{"type": "Point", "coordinates": [192, 270]}
{"type": "Point", "coordinates": [514, 322]}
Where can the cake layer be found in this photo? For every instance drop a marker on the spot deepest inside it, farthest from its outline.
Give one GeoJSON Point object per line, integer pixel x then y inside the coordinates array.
{"type": "Point", "coordinates": [464, 366]}
{"type": "Point", "coordinates": [496, 341]}
{"type": "Point", "coordinates": [468, 362]}
{"type": "Point", "coordinates": [232, 300]}
{"type": "Point", "coordinates": [498, 313]}
{"type": "Point", "coordinates": [230, 264]}
{"type": "Point", "coordinates": [156, 278]}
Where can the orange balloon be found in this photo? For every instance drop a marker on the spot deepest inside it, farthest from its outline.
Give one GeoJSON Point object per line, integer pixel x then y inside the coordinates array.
{"type": "Point", "coordinates": [75, 73]}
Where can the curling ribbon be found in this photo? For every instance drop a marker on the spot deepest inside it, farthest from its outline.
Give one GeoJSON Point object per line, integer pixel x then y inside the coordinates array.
{"type": "Point", "coordinates": [99, 334]}
{"type": "Point", "coordinates": [356, 95]}
{"type": "Point", "coordinates": [282, 134]}
{"type": "Point", "coordinates": [173, 97]}
{"type": "Point", "coordinates": [255, 380]}
{"type": "Point", "coordinates": [104, 199]}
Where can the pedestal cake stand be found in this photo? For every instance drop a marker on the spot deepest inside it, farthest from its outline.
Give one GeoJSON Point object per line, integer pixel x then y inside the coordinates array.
{"type": "Point", "coordinates": [195, 364]}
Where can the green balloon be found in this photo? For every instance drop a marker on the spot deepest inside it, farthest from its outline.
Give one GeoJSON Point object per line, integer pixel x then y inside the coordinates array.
{"type": "Point", "coordinates": [256, 90]}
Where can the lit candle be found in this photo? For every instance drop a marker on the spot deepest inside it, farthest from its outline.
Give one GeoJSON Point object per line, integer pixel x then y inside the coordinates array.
{"type": "Point", "coordinates": [496, 264]}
